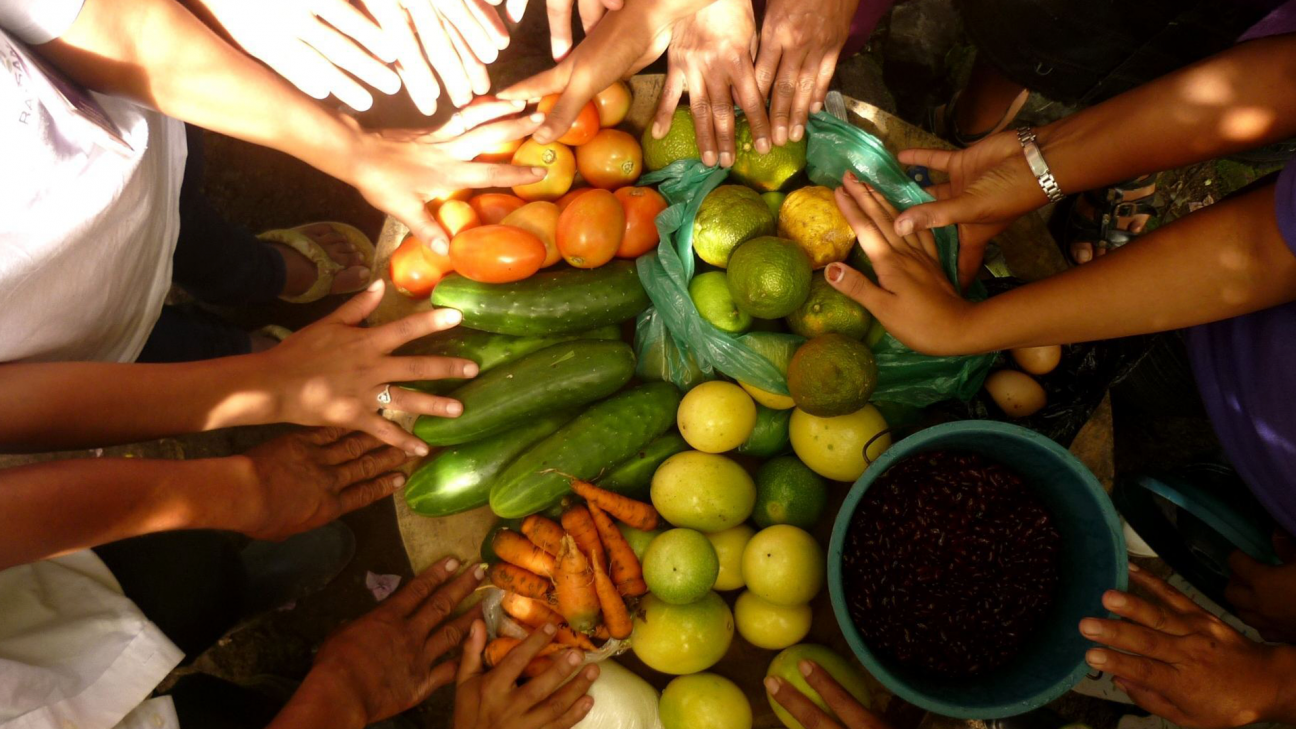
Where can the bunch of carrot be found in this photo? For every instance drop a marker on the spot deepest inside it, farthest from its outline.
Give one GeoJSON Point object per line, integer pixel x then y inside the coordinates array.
{"type": "Point", "coordinates": [575, 575]}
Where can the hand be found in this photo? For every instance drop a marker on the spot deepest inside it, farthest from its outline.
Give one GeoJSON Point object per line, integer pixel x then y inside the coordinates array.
{"type": "Point", "coordinates": [912, 298]}
{"type": "Point", "coordinates": [799, 45]}
{"type": "Point", "coordinates": [711, 54]}
{"type": "Point", "coordinates": [386, 662]}
{"type": "Point", "coordinates": [331, 372]}
{"type": "Point", "coordinates": [560, 12]}
{"type": "Point", "coordinates": [990, 185]}
{"type": "Point", "coordinates": [494, 701]}
{"type": "Point", "coordinates": [847, 713]}
{"type": "Point", "coordinates": [398, 171]}
{"type": "Point", "coordinates": [1264, 595]}
{"type": "Point", "coordinates": [313, 44]}
{"type": "Point", "coordinates": [307, 479]}
{"type": "Point", "coordinates": [1183, 664]}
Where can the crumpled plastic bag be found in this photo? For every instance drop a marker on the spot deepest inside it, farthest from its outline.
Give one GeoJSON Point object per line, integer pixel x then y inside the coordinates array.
{"type": "Point", "coordinates": [498, 623]}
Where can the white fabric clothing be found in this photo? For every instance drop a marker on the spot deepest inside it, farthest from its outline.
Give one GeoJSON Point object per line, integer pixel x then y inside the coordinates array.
{"type": "Point", "coordinates": [87, 225]}
{"type": "Point", "coordinates": [38, 21]}
{"type": "Point", "coordinates": [75, 653]}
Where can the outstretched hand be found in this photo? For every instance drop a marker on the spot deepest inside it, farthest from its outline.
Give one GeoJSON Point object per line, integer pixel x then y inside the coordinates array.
{"type": "Point", "coordinates": [800, 42]}
{"type": "Point", "coordinates": [843, 711]}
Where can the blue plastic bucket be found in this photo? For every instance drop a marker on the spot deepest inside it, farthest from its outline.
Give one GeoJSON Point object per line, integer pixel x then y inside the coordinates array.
{"type": "Point", "coordinates": [1093, 560]}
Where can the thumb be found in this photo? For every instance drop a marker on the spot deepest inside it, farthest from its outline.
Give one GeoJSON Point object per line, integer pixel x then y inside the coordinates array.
{"type": "Point", "coordinates": [855, 285]}
{"type": "Point", "coordinates": [422, 223]}
{"type": "Point", "coordinates": [360, 306]}
{"type": "Point", "coordinates": [937, 214]}
{"type": "Point", "coordinates": [561, 117]}
{"type": "Point", "coordinates": [1245, 569]}
{"type": "Point", "coordinates": [541, 84]}
{"type": "Point", "coordinates": [470, 662]}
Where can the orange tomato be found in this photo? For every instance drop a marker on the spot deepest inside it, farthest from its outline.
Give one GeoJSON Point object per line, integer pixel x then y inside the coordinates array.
{"type": "Point", "coordinates": [590, 229]}
{"type": "Point", "coordinates": [566, 200]}
{"type": "Point", "coordinates": [496, 254]}
{"type": "Point", "coordinates": [583, 129]}
{"type": "Point", "coordinates": [610, 160]}
{"type": "Point", "coordinates": [446, 195]}
{"type": "Point", "coordinates": [560, 166]}
{"type": "Point", "coordinates": [501, 153]}
{"type": "Point", "coordinates": [456, 216]}
{"type": "Point", "coordinates": [540, 219]}
{"type": "Point", "coordinates": [613, 104]}
{"type": "Point", "coordinates": [641, 205]}
{"type": "Point", "coordinates": [416, 269]}
{"type": "Point", "coordinates": [491, 207]}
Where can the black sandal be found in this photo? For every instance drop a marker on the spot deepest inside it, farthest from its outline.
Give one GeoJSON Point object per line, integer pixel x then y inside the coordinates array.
{"type": "Point", "coordinates": [1110, 219]}
{"type": "Point", "coordinates": [940, 121]}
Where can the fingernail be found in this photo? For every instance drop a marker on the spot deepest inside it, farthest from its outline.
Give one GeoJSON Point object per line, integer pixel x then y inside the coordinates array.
{"type": "Point", "coordinates": [540, 171]}
{"type": "Point", "coordinates": [1096, 658]}
{"type": "Point", "coordinates": [1091, 628]}
{"type": "Point", "coordinates": [455, 409]}
{"type": "Point", "coordinates": [442, 246]}
{"type": "Point", "coordinates": [850, 176]}
{"type": "Point", "coordinates": [452, 316]}
{"type": "Point", "coordinates": [834, 273]}
{"type": "Point", "coordinates": [797, 132]}
{"type": "Point", "coordinates": [904, 226]}
{"type": "Point", "coordinates": [805, 667]}
{"type": "Point", "coordinates": [657, 130]}
{"type": "Point", "coordinates": [471, 369]}
{"type": "Point", "coordinates": [1115, 599]}
{"type": "Point", "coordinates": [421, 449]}
{"type": "Point", "coordinates": [815, 107]}
{"type": "Point", "coordinates": [376, 285]}
{"type": "Point", "coordinates": [537, 117]}
{"type": "Point", "coordinates": [780, 136]}
{"type": "Point", "coordinates": [1083, 255]}
{"type": "Point", "coordinates": [726, 159]}
{"type": "Point", "coordinates": [1134, 568]}
{"type": "Point", "coordinates": [549, 629]}
{"type": "Point", "coordinates": [772, 684]}
{"type": "Point", "coordinates": [763, 145]}
{"type": "Point", "coordinates": [451, 564]}
{"type": "Point", "coordinates": [587, 703]}
{"type": "Point", "coordinates": [479, 573]}
{"type": "Point", "coordinates": [398, 481]}
{"type": "Point", "coordinates": [364, 272]}
{"type": "Point", "coordinates": [709, 159]}
{"type": "Point", "coordinates": [574, 657]}
{"type": "Point", "coordinates": [592, 673]}
{"type": "Point", "coordinates": [520, 104]}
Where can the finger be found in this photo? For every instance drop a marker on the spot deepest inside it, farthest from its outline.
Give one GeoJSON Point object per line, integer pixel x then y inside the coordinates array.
{"type": "Point", "coordinates": [480, 175]}
{"type": "Point", "coordinates": [389, 336]}
{"type": "Point", "coordinates": [971, 254]}
{"type": "Point", "coordinates": [423, 225]}
{"type": "Point", "coordinates": [872, 218]}
{"type": "Point", "coordinates": [827, 67]}
{"type": "Point", "coordinates": [479, 113]}
{"type": "Point", "coordinates": [935, 159]}
{"type": "Point", "coordinates": [564, 112]}
{"type": "Point", "coordinates": [722, 114]}
{"type": "Point", "coordinates": [441, 604]}
{"type": "Point", "coordinates": [367, 466]}
{"type": "Point", "coordinates": [410, 64]}
{"type": "Point", "coordinates": [440, 51]}
{"type": "Point", "coordinates": [363, 494]}
{"type": "Point", "coordinates": [591, 11]}
{"type": "Point", "coordinates": [785, 85]}
{"type": "Point", "coordinates": [560, 33]}
{"type": "Point", "coordinates": [1245, 569]}
{"type": "Point", "coordinates": [349, 448]}
{"type": "Point", "coordinates": [358, 307]}
{"type": "Point", "coordinates": [411, 596]}
{"type": "Point", "coordinates": [439, 676]}
{"type": "Point", "coordinates": [1154, 615]}
{"type": "Point", "coordinates": [477, 39]}
{"type": "Point", "coordinates": [568, 705]}
{"type": "Point", "coordinates": [1139, 670]}
{"type": "Point", "coordinates": [1131, 638]}
{"type": "Point", "coordinates": [392, 434]}
{"type": "Point", "coordinates": [515, 9]}
{"type": "Point", "coordinates": [324, 436]}
{"type": "Point", "coordinates": [542, 84]}
{"type": "Point", "coordinates": [613, 4]}
{"type": "Point", "coordinates": [857, 286]}
{"type": "Point", "coordinates": [843, 704]}
{"type": "Point", "coordinates": [767, 63]}
{"type": "Point", "coordinates": [345, 17]}
{"type": "Point", "coordinates": [421, 403]}
{"type": "Point", "coordinates": [507, 672]}
{"type": "Point", "coordinates": [345, 54]}
{"type": "Point", "coordinates": [470, 661]}
{"type": "Point", "coordinates": [672, 90]}
{"type": "Point", "coordinates": [807, 79]}
{"type": "Point", "coordinates": [539, 688]}
{"type": "Point", "coordinates": [312, 72]}
{"type": "Point", "coordinates": [473, 143]}
{"type": "Point", "coordinates": [451, 635]}
{"type": "Point", "coordinates": [1162, 589]}
{"type": "Point", "coordinates": [1154, 703]}
{"type": "Point", "coordinates": [753, 104]}
{"type": "Point", "coordinates": [700, 106]}
{"type": "Point", "coordinates": [798, 705]}
{"type": "Point", "coordinates": [478, 78]}
{"type": "Point", "coordinates": [489, 18]}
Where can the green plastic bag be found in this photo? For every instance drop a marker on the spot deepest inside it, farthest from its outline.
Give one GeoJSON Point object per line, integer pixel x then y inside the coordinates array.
{"type": "Point", "coordinates": [904, 376]}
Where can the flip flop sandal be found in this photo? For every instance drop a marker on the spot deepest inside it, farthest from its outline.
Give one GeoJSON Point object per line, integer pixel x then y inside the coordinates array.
{"type": "Point", "coordinates": [325, 267]}
{"type": "Point", "coordinates": [275, 332]}
{"type": "Point", "coordinates": [1109, 209]}
{"type": "Point", "coordinates": [940, 120]}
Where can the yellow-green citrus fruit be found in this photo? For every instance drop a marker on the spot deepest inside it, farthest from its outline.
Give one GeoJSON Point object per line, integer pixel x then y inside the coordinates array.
{"type": "Point", "coordinates": [703, 491]}
{"type": "Point", "coordinates": [768, 625]}
{"type": "Point", "coordinates": [834, 447]}
{"type": "Point", "coordinates": [784, 565]}
{"type": "Point", "coordinates": [715, 417]}
{"type": "Point", "coordinates": [682, 639]}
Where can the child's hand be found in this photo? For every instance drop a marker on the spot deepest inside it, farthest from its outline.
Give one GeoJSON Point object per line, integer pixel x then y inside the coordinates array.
{"type": "Point", "coordinates": [849, 714]}
{"type": "Point", "coordinates": [1264, 596]}
{"type": "Point", "coordinates": [493, 700]}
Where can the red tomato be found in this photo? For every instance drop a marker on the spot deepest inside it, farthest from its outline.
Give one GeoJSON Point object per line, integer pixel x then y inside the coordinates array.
{"type": "Point", "coordinates": [496, 254]}
{"type": "Point", "coordinates": [642, 205]}
{"type": "Point", "coordinates": [540, 219]}
{"type": "Point", "coordinates": [613, 104]}
{"type": "Point", "coordinates": [566, 200]}
{"type": "Point", "coordinates": [560, 169]}
{"type": "Point", "coordinates": [491, 207]}
{"type": "Point", "coordinates": [610, 160]}
{"type": "Point", "coordinates": [590, 229]}
{"type": "Point", "coordinates": [583, 129]}
{"type": "Point", "coordinates": [416, 269]}
{"type": "Point", "coordinates": [456, 216]}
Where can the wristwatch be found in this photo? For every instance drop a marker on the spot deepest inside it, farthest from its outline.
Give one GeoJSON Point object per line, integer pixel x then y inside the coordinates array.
{"type": "Point", "coordinates": [1040, 168]}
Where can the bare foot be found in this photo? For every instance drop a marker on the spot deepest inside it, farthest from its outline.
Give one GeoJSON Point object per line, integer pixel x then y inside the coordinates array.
{"type": "Point", "coordinates": [301, 271]}
{"type": "Point", "coordinates": [1085, 251]}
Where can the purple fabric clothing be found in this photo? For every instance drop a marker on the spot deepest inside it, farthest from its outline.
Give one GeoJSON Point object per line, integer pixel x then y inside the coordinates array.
{"type": "Point", "coordinates": [1281, 20]}
{"type": "Point", "coordinates": [1246, 372]}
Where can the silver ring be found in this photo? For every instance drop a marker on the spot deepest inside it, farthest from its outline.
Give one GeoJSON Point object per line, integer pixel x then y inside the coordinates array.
{"type": "Point", "coordinates": [384, 397]}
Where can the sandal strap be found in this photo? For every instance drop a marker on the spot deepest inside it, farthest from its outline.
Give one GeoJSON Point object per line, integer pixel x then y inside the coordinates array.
{"type": "Point", "coordinates": [325, 267]}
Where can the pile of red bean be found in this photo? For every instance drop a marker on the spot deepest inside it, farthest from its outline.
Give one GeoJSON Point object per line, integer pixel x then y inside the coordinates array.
{"type": "Point", "coordinates": [950, 563]}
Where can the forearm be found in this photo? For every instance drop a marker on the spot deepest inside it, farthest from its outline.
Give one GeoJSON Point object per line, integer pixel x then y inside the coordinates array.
{"type": "Point", "coordinates": [661, 13]}
{"type": "Point", "coordinates": [325, 698]}
{"type": "Point", "coordinates": [157, 53]}
{"type": "Point", "coordinates": [63, 506]}
{"type": "Point", "coordinates": [1225, 261]}
{"type": "Point", "coordinates": [63, 405]}
{"type": "Point", "coordinates": [1236, 100]}
{"type": "Point", "coordinates": [1284, 673]}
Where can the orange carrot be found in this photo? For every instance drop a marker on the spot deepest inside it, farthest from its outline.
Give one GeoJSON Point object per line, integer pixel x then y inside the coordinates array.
{"type": "Point", "coordinates": [601, 632]}
{"type": "Point", "coordinates": [543, 533]}
{"type": "Point", "coordinates": [627, 573]}
{"type": "Point", "coordinates": [518, 550]}
{"type": "Point", "coordinates": [615, 615]}
{"type": "Point", "coordinates": [574, 586]}
{"type": "Point", "coordinates": [535, 614]}
{"type": "Point", "coordinates": [580, 525]}
{"type": "Point", "coordinates": [497, 649]}
{"type": "Point", "coordinates": [634, 513]}
{"type": "Point", "coordinates": [512, 578]}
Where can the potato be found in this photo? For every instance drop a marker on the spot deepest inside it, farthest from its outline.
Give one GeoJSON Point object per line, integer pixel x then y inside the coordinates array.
{"type": "Point", "coordinates": [1038, 360]}
{"type": "Point", "coordinates": [1015, 393]}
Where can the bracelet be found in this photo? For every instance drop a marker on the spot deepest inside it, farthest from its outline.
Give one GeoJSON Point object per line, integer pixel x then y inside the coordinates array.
{"type": "Point", "coordinates": [1040, 168]}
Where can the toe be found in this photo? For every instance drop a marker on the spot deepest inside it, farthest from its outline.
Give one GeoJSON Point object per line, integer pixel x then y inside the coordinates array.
{"type": "Point", "coordinates": [1082, 252]}
{"type": "Point", "coordinates": [348, 280]}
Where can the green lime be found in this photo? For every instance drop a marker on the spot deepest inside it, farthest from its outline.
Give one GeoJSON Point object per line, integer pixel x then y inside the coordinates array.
{"type": "Point", "coordinates": [827, 311]}
{"type": "Point", "coordinates": [710, 294]}
{"type": "Point", "coordinates": [765, 172]}
{"type": "Point", "coordinates": [770, 436]}
{"type": "Point", "coordinates": [729, 216]}
{"type": "Point", "coordinates": [678, 143]}
{"type": "Point", "coordinates": [774, 200]}
{"type": "Point", "coordinates": [832, 375]}
{"type": "Point", "coordinates": [680, 566]}
{"type": "Point", "coordinates": [788, 492]}
{"type": "Point", "coordinates": [875, 334]}
{"type": "Point", "coordinates": [769, 277]}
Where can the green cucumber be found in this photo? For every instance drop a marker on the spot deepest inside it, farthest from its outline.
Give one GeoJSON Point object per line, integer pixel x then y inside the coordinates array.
{"type": "Point", "coordinates": [548, 303]}
{"type": "Point", "coordinates": [459, 478]}
{"type": "Point", "coordinates": [487, 350]}
{"type": "Point", "coordinates": [633, 476]}
{"type": "Point", "coordinates": [606, 434]}
{"type": "Point", "coordinates": [561, 376]}
{"type": "Point", "coordinates": [488, 542]}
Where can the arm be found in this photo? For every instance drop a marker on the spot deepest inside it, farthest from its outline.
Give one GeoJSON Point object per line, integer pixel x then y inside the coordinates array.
{"type": "Point", "coordinates": [282, 487]}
